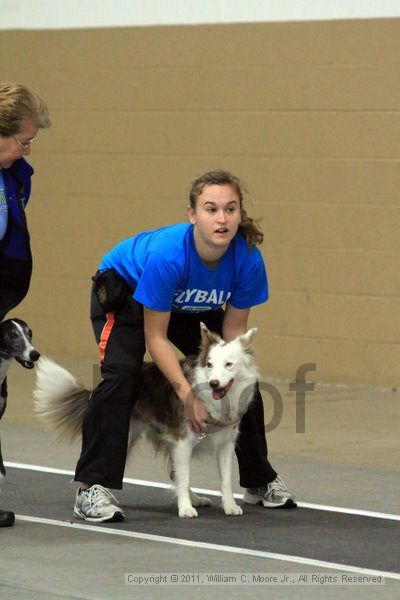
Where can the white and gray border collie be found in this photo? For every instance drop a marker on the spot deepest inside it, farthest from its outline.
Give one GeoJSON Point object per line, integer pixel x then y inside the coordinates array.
{"type": "Point", "coordinates": [15, 343]}
{"type": "Point", "coordinates": [223, 376]}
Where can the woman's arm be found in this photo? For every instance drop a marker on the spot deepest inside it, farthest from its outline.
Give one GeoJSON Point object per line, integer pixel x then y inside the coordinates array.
{"type": "Point", "coordinates": [235, 322]}
{"type": "Point", "coordinates": [163, 354]}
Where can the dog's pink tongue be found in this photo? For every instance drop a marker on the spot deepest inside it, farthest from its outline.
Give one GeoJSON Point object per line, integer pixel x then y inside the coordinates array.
{"type": "Point", "coordinates": [219, 393]}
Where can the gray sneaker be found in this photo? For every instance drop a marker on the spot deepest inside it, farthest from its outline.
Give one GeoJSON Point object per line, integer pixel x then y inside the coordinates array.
{"type": "Point", "coordinates": [96, 504]}
{"type": "Point", "coordinates": [272, 495]}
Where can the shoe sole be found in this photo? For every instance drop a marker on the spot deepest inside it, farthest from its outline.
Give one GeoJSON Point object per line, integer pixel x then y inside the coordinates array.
{"type": "Point", "coordinates": [115, 518]}
{"type": "Point", "coordinates": [289, 503]}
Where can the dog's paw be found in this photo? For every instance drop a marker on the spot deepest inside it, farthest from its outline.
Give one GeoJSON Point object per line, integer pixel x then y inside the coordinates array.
{"type": "Point", "coordinates": [232, 509]}
{"type": "Point", "coordinates": [188, 512]}
{"type": "Point", "coordinates": [199, 500]}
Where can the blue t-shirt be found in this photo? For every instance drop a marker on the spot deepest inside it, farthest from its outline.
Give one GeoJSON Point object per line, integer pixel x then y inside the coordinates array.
{"type": "Point", "coordinates": [3, 207]}
{"type": "Point", "coordinates": [166, 273]}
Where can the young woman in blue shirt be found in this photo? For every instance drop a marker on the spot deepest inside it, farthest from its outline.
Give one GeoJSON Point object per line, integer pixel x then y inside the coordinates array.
{"type": "Point", "coordinates": [152, 291]}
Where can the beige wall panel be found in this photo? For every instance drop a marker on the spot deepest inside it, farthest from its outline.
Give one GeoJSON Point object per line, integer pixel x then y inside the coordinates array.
{"type": "Point", "coordinates": [58, 311]}
{"type": "Point", "coordinates": [349, 227]}
{"type": "Point", "coordinates": [305, 270]}
{"type": "Point", "coordinates": [67, 337]}
{"type": "Point", "coordinates": [279, 356]}
{"type": "Point", "coordinates": [307, 114]}
{"type": "Point", "coordinates": [64, 297]}
{"type": "Point", "coordinates": [336, 360]}
{"type": "Point", "coordinates": [335, 317]}
{"type": "Point", "coordinates": [333, 271]}
{"type": "Point", "coordinates": [77, 243]}
{"type": "Point", "coordinates": [360, 42]}
{"type": "Point", "coordinates": [326, 181]}
{"type": "Point", "coordinates": [232, 88]}
{"type": "Point", "coordinates": [311, 87]}
{"type": "Point", "coordinates": [289, 181]}
{"type": "Point", "coordinates": [322, 134]}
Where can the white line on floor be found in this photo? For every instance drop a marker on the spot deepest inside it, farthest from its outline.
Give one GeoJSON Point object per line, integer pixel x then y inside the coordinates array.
{"type": "Point", "coordinates": [156, 484]}
{"type": "Point", "coordinates": [207, 546]}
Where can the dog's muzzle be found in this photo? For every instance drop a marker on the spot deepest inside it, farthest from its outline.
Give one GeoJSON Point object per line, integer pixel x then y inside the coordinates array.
{"type": "Point", "coordinates": [219, 392]}
{"type": "Point", "coordinates": [29, 364]}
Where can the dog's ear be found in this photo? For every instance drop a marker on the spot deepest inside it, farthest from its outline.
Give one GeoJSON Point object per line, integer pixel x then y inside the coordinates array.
{"type": "Point", "coordinates": [208, 339]}
{"type": "Point", "coordinates": [247, 339]}
{"type": "Point", "coordinates": [207, 335]}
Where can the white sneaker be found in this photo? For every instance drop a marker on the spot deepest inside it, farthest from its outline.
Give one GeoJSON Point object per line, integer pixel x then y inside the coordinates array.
{"type": "Point", "coordinates": [272, 495]}
{"type": "Point", "coordinates": [96, 504]}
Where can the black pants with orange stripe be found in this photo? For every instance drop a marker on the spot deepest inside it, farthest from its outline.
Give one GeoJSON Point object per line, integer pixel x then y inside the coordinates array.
{"type": "Point", "coordinates": [120, 336]}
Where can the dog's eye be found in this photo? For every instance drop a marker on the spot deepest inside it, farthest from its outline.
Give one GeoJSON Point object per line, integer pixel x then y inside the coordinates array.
{"type": "Point", "coordinates": [13, 335]}
{"type": "Point", "coordinates": [30, 333]}
{"type": "Point", "coordinates": [229, 364]}
{"type": "Point", "coordinates": [209, 365]}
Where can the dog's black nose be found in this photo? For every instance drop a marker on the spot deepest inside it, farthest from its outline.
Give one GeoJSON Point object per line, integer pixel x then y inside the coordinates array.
{"type": "Point", "coordinates": [214, 383]}
{"type": "Point", "coordinates": [34, 355]}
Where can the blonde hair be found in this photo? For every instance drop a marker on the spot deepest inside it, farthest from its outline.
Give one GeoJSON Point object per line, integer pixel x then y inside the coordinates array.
{"type": "Point", "coordinates": [249, 228]}
{"type": "Point", "coordinates": [18, 103]}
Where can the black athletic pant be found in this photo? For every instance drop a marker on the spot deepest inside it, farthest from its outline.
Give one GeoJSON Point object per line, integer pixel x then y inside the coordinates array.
{"type": "Point", "coordinates": [105, 429]}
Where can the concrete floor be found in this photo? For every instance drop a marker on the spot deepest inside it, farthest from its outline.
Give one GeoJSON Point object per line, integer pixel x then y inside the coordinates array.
{"type": "Point", "coordinates": [347, 457]}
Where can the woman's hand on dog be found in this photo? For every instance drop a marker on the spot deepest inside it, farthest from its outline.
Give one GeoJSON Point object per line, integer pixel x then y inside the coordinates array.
{"type": "Point", "coordinates": [196, 413]}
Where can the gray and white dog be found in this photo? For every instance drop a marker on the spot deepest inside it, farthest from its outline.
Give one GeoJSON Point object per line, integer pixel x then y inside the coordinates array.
{"type": "Point", "coordinates": [15, 343]}
{"type": "Point", "coordinates": [223, 376]}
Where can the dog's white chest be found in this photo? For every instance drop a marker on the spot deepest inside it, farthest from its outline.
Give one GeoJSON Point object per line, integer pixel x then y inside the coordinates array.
{"type": "Point", "coordinates": [4, 366]}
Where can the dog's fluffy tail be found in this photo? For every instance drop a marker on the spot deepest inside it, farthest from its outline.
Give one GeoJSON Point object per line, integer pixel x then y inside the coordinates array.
{"type": "Point", "coordinates": [61, 401]}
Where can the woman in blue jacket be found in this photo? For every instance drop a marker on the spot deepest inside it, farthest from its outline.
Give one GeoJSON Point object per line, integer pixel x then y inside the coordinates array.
{"type": "Point", "coordinates": [153, 290]}
{"type": "Point", "coordinates": [22, 113]}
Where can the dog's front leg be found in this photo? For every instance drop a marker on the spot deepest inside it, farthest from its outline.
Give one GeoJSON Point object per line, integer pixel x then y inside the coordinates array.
{"type": "Point", "coordinates": [224, 454]}
{"type": "Point", "coordinates": [181, 455]}
{"type": "Point", "coordinates": [2, 469]}
{"type": "Point", "coordinates": [3, 405]}
{"type": "Point", "coordinates": [3, 397]}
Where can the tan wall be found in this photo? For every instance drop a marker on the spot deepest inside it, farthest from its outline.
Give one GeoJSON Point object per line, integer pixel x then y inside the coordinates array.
{"type": "Point", "coordinates": [307, 114]}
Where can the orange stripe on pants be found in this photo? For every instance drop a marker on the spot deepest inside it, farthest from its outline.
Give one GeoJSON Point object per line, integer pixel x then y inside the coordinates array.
{"type": "Point", "coordinates": [105, 335]}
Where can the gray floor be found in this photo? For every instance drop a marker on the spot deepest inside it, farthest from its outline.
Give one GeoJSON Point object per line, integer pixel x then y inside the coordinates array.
{"type": "Point", "coordinates": [360, 541]}
{"type": "Point", "coordinates": [345, 458]}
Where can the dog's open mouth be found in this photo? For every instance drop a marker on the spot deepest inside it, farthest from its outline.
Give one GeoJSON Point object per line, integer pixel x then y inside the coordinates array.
{"type": "Point", "coordinates": [28, 364]}
{"type": "Point", "coordinates": [219, 393]}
